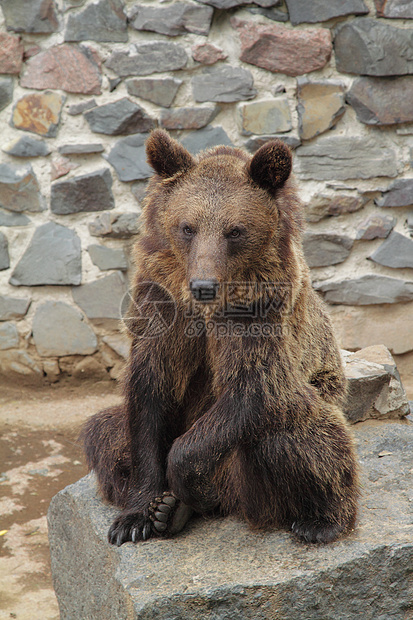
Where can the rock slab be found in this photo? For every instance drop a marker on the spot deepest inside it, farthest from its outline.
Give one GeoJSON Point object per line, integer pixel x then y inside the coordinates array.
{"type": "Point", "coordinates": [37, 16]}
{"type": "Point", "coordinates": [382, 101]}
{"type": "Point", "coordinates": [311, 12]}
{"type": "Point", "coordinates": [89, 192]}
{"type": "Point", "coordinates": [366, 290]}
{"type": "Point", "coordinates": [220, 565]}
{"type": "Point", "coordinates": [11, 53]}
{"type": "Point", "coordinates": [39, 113]}
{"type": "Point", "coordinates": [172, 20]}
{"type": "Point", "coordinates": [104, 20]}
{"type": "Point", "coordinates": [19, 189]}
{"type": "Point", "coordinates": [120, 117]}
{"type": "Point", "coordinates": [147, 58]}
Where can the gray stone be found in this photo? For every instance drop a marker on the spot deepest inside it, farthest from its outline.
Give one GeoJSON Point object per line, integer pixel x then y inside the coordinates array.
{"type": "Point", "coordinates": [366, 290]}
{"type": "Point", "coordinates": [225, 85]}
{"type": "Point", "coordinates": [4, 252]}
{"type": "Point", "coordinates": [322, 249]}
{"type": "Point", "coordinates": [102, 298]}
{"type": "Point", "coordinates": [21, 363]}
{"type": "Point", "coordinates": [320, 105]}
{"type": "Point", "coordinates": [399, 194]}
{"type": "Point", "coordinates": [115, 225]}
{"type": "Point", "coordinates": [89, 192]}
{"type": "Point", "coordinates": [120, 117]}
{"type": "Point", "coordinates": [6, 92]}
{"type": "Point", "coordinates": [218, 568]}
{"type": "Point", "coordinates": [104, 20]}
{"type": "Point", "coordinates": [13, 219]}
{"type": "Point", "coordinates": [269, 116]}
{"type": "Point", "coordinates": [107, 258]}
{"type": "Point", "coordinates": [254, 143]}
{"type": "Point", "coordinates": [301, 11]}
{"type": "Point", "coordinates": [229, 4]}
{"type": "Point", "coordinates": [382, 101]}
{"type": "Point", "coordinates": [81, 149]}
{"type": "Point", "coordinates": [38, 16]}
{"type": "Point", "coordinates": [9, 336]}
{"type": "Point", "coordinates": [19, 189]}
{"type": "Point", "coordinates": [128, 157]}
{"type": "Point", "coordinates": [396, 9]}
{"type": "Point", "coordinates": [174, 19]}
{"type": "Point", "coordinates": [375, 227]}
{"type": "Point", "coordinates": [78, 108]}
{"type": "Point", "coordinates": [118, 343]}
{"type": "Point", "coordinates": [114, 83]}
{"type": "Point", "coordinates": [390, 401]}
{"type": "Point", "coordinates": [396, 251]}
{"type": "Point", "coordinates": [13, 307]}
{"type": "Point", "coordinates": [188, 118]}
{"type": "Point", "coordinates": [161, 91]}
{"type": "Point", "coordinates": [323, 205]}
{"type": "Point", "coordinates": [274, 14]}
{"type": "Point", "coordinates": [147, 58]}
{"type": "Point", "coordinates": [206, 138]}
{"type": "Point", "coordinates": [345, 157]}
{"type": "Point", "coordinates": [370, 47]}
{"type": "Point", "coordinates": [26, 146]}
{"type": "Point", "coordinates": [52, 257]}
{"type": "Point", "coordinates": [60, 329]}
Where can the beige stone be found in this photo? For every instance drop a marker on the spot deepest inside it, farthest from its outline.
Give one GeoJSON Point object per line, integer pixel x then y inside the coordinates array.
{"type": "Point", "coordinates": [265, 117]}
{"type": "Point", "coordinates": [363, 326]}
{"type": "Point", "coordinates": [320, 105]}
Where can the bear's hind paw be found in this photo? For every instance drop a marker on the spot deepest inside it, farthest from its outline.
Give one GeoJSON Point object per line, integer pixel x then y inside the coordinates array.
{"type": "Point", "coordinates": [168, 514]}
{"type": "Point", "coordinates": [316, 531]}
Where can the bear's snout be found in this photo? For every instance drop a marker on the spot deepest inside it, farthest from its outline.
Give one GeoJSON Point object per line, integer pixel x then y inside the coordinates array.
{"type": "Point", "coordinates": [204, 290]}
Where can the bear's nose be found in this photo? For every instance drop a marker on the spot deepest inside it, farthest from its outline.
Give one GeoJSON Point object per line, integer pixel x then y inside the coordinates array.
{"type": "Point", "coordinates": [204, 290]}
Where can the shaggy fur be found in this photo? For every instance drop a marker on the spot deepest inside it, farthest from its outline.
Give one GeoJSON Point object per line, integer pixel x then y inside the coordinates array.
{"type": "Point", "coordinates": [249, 423]}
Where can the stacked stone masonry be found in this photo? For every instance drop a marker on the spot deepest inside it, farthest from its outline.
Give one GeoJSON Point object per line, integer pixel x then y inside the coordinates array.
{"type": "Point", "coordinates": [82, 82]}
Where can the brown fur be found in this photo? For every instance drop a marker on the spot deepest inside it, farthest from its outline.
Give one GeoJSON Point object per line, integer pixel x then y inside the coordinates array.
{"type": "Point", "coordinates": [248, 424]}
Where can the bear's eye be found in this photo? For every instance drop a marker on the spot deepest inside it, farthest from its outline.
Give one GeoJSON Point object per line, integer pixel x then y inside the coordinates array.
{"type": "Point", "coordinates": [187, 230]}
{"type": "Point", "coordinates": [234, 233]}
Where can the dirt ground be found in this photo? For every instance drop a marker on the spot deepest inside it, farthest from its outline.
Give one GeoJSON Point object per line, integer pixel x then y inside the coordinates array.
{"type": "Point", "coordinates": [39, 455]}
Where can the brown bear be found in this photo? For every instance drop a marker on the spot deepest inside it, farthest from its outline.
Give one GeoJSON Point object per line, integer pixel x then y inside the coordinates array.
{"type": "Point", "coordinates": [234, 385]}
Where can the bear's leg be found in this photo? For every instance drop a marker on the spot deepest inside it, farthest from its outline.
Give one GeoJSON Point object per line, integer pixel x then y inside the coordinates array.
{"type": "Point", "coordinates": [106, 446]}
{"type": "Point", "coordinates": [304, 479]}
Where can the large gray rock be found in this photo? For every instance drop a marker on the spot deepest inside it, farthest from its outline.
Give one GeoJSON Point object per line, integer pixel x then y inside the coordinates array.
{"type": "Point", "coordinates": [38, 16]}
{"type": "Point", "coordinates": [366, 290]}
{"type": "Point", "coordinates": [101, 299]}
{"type": "Point", "coordinates": [6, 92]}
{"type": "Point", "coordinates": [188, 118]}
{"type": "Point", "coordinates": [104, 20]}
{"type": "Point", "coordinates": [26, 146]}
{"type": "Point", "coordinates": [323, 205]}
{"type": "Point", "coordinates": [90, 148]}
{"type": "Point", "coordinates": [60, 329]}
{"type": "Point", "coordinates": [13, 307]}
{"type": "Point", "coordinates": [107, 258]}
{"type": "Point", "coordinates": [382, 101]}
{"type": "Point", "coordinates": [52, 257]}
{"type": "Point", "coordinates": [374, 390]}
{"type": "Point", "coordinates": [322, 249]}
{"type": "Point", "coordinates": [147, 58]}
{"type": "Point", "coordinates": [88, 192]}
{"type": "Point", "coordinates": [206, 138]}
{"type": "Point", "coordinates": [19, 189]}
{"type": "Point", "coordinates": [320, 11]}
{"type": "Point", "coordinates": [4, 252]}
{"type": "Point", "coordinates": [225, 84]}
{"type": "Point", "coordinates": [344, 157]}
{"type": "Point", "coordinates": [173, 19]}
{"type": "Point", "coordinates": [375, 227]}
{"type": "Point", "coordinates": [396, 9]}
{"type": "Point", "coordinates": [218, 568]}
{"type": "Point", "coordinates": [9, 336]}
{"type": "Point", "coordinates": [370, 47]}
{"type": "Point", "coordinates": [120, 117]}
{"type": "Point", "coordinates": [161, 91]}
{"type": "Point", "coordinates": [116, 225]}
{"type": "Point", "coordinates": [8, 218]}
{"type": "Point", "coordinates": [399, 194]}
{"type": "Point", "coordinates": [128, 157]}
{"type": "Point", "coordinates": [396, 251]}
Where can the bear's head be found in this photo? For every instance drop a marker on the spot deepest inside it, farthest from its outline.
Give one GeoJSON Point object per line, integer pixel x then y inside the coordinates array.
{"type": "Point", "coordinates": [226, 216]}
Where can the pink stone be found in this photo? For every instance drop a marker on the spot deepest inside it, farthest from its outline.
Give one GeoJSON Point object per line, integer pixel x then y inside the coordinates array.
{"type": "Point", "coordinates": [207, 54]}
{"type": "Point", "coordinates": [63, 67]}
{"type": "Point", "coordinates": [60, 166]}
{"type": "Point", "coordinates": [11, 53]}
{"type": "Point", "coordinates": [282, 50]}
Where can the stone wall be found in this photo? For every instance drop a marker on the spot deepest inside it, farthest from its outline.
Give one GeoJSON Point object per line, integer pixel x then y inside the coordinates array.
{"type": "Point", "coordinates": [82, 82]}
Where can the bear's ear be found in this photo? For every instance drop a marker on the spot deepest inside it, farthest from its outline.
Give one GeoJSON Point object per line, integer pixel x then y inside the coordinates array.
{"type": "Point", "coordinates": [271, 165]}
{"type": "Point", "coordinates": [166, 155]}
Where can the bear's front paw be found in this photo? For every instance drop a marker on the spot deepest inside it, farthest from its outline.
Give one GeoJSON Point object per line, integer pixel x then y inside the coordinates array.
{"type": "Point", "coordinates": [165, 516]}
{"type": "Point", "coordinates": [316, 531]}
